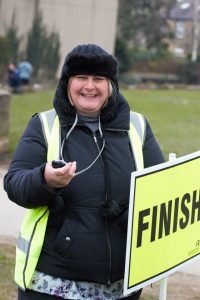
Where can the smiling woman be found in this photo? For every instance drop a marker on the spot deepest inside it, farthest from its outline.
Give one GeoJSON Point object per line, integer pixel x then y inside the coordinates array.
{"type": "Point", "coordinates": [88, 131]}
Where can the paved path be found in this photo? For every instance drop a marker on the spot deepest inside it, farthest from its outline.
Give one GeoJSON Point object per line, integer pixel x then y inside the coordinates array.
{"type": "Point", "coordinates": [11, 216]}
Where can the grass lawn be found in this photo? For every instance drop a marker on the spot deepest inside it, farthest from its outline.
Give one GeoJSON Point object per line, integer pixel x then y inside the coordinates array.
{"type": "Point", "coordinates": [174, 115]}
{"type": "Point", "coordinates": [7, 285]}
{"type": "Point", "coordinates": [23, 106]}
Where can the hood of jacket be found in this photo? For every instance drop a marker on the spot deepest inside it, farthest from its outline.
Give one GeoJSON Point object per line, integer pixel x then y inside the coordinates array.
{"type": "Point", "coordinates": [92, 60]}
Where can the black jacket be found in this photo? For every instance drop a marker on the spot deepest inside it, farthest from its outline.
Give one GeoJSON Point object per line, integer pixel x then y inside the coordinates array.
{"type": "Point", "coordinates": [86, 232]}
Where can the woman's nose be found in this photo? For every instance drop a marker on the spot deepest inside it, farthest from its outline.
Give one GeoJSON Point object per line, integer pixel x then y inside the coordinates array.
{"type": "Point", "coordinates": [90, 83]}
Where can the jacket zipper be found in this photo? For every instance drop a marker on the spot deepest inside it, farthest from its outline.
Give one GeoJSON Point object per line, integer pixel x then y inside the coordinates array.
{"type": "Point", "coordinates": [110, 253]}
{"type": "Point", "coordinates": [106, 224]}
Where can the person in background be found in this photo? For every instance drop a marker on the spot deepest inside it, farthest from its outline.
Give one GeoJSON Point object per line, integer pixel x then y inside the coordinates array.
{"type": "Point", "coordinates": [14, 80]}
{"type": "Point", "coordinates": [72, 242]}
{"type": "Point", "coordinates": [26, 70]}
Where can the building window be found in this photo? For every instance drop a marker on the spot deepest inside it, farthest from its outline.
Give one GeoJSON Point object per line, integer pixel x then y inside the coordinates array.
{"type": "Point", "coordinates": [179, 52]}
{"type": "Point", "coordinates": [180, 30]}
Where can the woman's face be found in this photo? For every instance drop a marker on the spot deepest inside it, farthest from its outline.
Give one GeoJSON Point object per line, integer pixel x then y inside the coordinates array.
{"type": "Point", "coordinates": [88, 93]}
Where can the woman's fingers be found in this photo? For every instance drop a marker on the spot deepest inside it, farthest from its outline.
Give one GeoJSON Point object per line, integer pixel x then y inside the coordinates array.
{"type": "Point", "coordinates": [59, 177]}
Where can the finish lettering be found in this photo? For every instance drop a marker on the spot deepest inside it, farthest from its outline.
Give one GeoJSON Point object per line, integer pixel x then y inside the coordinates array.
{"type": "Point", "coordinates": [167, 218]}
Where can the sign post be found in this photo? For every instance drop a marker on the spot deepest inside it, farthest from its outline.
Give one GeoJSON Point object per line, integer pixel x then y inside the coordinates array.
{"type": "Point", "coordinates": [163, 289]}
{"type": "Point", "coordinates": [163, 282]}
{"type": "Point", "coordinates": [164, 222]}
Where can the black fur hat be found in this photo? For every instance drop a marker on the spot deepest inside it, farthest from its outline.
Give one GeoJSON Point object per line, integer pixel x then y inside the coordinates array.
{"type": "Point", "coordinates": [92, 60]}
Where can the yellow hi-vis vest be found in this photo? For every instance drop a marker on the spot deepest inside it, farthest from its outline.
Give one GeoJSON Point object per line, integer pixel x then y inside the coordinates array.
{"type": "Point", "coordinates": [33, 228]}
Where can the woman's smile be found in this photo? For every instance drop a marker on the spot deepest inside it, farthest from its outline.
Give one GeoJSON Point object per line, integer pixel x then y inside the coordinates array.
{"type": "Point", "coordinates": [88, 95]}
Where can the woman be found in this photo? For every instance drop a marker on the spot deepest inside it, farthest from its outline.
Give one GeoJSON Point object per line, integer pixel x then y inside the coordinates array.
{"type": "Point", "coordinates": [84, 201]}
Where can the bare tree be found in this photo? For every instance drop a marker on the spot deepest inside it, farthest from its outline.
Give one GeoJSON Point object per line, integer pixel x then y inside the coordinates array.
{"type": "Point", "coordinates": [196, 30]}
{"type": "Point", "coordinates": [143, 23]}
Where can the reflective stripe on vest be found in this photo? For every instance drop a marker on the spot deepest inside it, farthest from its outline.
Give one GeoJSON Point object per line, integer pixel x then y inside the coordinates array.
{"type": "Point", "coordinates": [29, 244]}
{"type": "Point", "coordinates": [137, 136]}
{"type": "Point", "coordinates": [33, 228]}
{"type": "Point", "coordinates": [51, 130]}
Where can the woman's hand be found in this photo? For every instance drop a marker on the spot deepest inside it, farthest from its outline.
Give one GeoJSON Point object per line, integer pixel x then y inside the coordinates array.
{"type": "Point", "coordinates": [59, 177]}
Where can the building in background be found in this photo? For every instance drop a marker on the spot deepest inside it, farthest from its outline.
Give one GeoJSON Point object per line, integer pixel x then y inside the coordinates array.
{"type": "Point", "coordinates": [76, 21]}
{"type": "Point", "coordinates": [182, 22]}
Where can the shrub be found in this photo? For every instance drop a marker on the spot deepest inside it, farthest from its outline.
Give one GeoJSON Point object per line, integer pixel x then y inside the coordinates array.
{"type": "Point", "coordinates": [43, 48]}
{"type": "Point", "coordinates": [123, 55]}
{"type": "Point", "coordinates": [189, 72]}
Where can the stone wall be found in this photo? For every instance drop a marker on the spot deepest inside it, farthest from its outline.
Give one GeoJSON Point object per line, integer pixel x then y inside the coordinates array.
{"type": "Point", "coordinates": [4, 120]}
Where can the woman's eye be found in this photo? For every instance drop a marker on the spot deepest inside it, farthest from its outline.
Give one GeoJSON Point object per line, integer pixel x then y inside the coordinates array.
{"type": "Point", "coordinates": [99, 79]}
{"type": "Point", "coordinates": [81, 77]}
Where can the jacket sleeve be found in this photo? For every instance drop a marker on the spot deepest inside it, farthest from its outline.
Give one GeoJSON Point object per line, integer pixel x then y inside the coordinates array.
{"type": "Point", "coordinates": [24, 181]}
{"type": "Point", "coordinates": [152, 153]}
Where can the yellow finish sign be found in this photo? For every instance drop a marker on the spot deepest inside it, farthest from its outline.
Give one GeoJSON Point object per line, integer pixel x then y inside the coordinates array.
{"type": "Point", "coordinates": [164, 221]}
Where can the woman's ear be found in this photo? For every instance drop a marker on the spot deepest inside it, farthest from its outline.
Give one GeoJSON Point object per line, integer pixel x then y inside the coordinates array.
{"type": "Point", "coordinates": [110, 92]}
{"type": "Point", "coordinates": [110, 89]}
